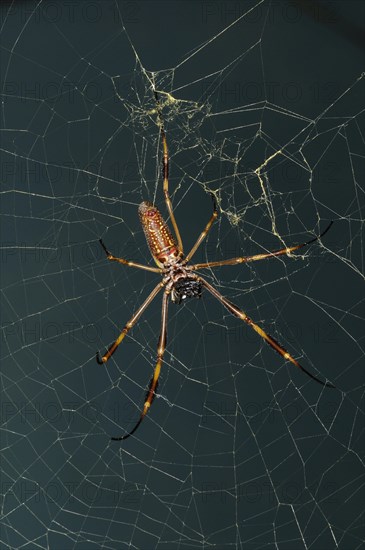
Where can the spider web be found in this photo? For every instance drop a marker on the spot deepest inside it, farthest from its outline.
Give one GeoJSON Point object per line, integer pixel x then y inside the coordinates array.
{"type": "Point", "coordinates": [263, 106]}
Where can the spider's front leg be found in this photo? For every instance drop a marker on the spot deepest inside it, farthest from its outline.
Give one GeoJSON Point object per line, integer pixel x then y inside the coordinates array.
{"type": "Point", "coordinates": [129, 325]}
{"type": "Point", "coordinates": [151, 393]}
{"type": "Point", "coordinates": [232, 308]}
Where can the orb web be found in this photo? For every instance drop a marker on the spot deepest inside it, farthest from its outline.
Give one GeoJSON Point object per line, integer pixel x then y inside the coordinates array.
{"type": "Point", "coordinates": [240, 449]}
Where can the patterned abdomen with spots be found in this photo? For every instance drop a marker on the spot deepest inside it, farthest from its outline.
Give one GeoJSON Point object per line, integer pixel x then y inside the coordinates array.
{"type": "Point", "coordinates": [159, 238]}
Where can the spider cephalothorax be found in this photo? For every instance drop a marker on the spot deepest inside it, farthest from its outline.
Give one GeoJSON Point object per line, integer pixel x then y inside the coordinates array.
{"type": "Point", "coordinates": [186, 287]}
{"type": "Point", "coordinates": [180, 281]}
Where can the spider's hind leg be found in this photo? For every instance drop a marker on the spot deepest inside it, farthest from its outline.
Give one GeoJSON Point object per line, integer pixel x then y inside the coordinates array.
{"type": "Point", "coordinates": [165, 174]}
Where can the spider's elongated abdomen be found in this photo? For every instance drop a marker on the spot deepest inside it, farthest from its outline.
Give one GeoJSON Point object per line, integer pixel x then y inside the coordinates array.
{"type": "Point", "coordinates": [159, 238]}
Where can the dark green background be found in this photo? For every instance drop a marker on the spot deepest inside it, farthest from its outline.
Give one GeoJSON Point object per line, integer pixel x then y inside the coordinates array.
{"type": "Point", "coordinates": [240, 450]}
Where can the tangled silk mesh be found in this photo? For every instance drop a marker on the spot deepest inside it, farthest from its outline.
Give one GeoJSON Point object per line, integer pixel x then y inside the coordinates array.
{"type": "Point", "coordinates": [240, 449]}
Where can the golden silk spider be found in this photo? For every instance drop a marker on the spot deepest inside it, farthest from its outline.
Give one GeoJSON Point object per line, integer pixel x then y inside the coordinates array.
{"type": "Point", "coordinates": [180, 281]}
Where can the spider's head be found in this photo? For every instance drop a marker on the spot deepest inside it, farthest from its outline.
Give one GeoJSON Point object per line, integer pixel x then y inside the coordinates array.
{"type": "Point", "coordinates": [185, 287]}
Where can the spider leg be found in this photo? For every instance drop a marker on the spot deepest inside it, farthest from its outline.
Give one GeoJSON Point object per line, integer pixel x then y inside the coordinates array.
{"type": "Point", "coordinates": [166, 190]}
{"type": "Point", "coordinates": [232, 308]}
{"type": "Point", "coordinates": [151, 393]}
{"type": "Point", "coordinates": [129, 325]}
{"type": "Point", "coordinates": [246, 259]}
{"type": "Point", "coordinates": [127, 262]}
{"type": "Point", "coordinates": [165, 173]}
{"type": "Point", "coordinates": [204, 233]}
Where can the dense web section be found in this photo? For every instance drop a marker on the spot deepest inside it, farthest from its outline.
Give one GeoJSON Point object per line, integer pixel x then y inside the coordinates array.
{"type": "Point", "coordinates": [240, 449]}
